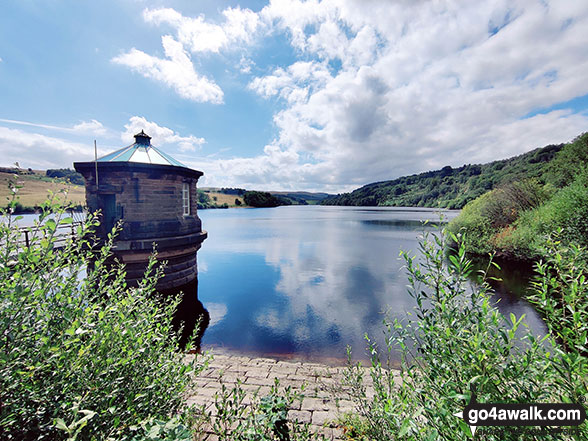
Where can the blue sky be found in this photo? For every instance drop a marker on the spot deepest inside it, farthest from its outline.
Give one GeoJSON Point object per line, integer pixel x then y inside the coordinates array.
{"type": "Point", "coordinates": [288, 94]}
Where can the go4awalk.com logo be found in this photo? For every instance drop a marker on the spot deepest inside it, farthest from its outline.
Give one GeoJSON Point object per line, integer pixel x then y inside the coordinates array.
{"type": "Point", "coordinates": [521, 414]}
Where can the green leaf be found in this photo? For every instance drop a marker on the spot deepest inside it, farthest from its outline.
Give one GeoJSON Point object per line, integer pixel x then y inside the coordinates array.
{"type": "Point", "coordinates": [60, 424]}
{"type": "Point", "coordinates": [51, 225]}
{"type": "Point", "coordinates": [465, 428]}
{"type": "Point", "coordinates": [404, 428]}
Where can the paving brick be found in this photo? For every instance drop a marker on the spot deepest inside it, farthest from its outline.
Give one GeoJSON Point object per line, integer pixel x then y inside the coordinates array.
{"type": "Point", "coordinates": [324, 417]}
{"type": "Point", "coordinates": [201, 382]}
{"type": "Point", "coordinates": [302, 416]}
{"type": "Point", "coordinates": [314, 404]}
{"type": "Point", "coordinates": [325, 397]}
{"type": "Point", "coordinates": [263, 361]}
{"type": "Point", "coordinates": [282, 372]}
{"type": "Point", "coordinates": [199, 400]}
{"type": "Point", "coordinates": [231, 377]}
{"type": "Point", "coordinates": [291, 383]}
{"type": "Point", "coordinates": [257, 381]}
{"type": "Point", "coordinates": [345, 406]}
{"type": "Point", "coordinates": [300, 378]}
{"type": "Point", "coordinates": [207, 391]}
{"type": "Point", "coordinates": [253, 388]}
{"type": "Point", "coordinates": [257, 372]}
{"type": "Point", "coordinates": [338, 433]}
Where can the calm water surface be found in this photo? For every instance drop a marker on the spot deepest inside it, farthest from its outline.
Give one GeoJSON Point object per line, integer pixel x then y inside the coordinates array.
{"type": "Point", "coordinates": [305, 281]}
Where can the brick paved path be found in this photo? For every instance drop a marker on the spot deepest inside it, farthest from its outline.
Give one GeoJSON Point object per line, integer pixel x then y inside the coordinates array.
{"type": "Point", "coordinates": [324, 397]}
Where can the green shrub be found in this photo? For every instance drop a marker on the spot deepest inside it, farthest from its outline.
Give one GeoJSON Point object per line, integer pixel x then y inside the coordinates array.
{"type": "Point", "coordinates": [486, 221]}
{"type": "Point", "coordinates": [569, 162]}
{"type": "Point", "coordinates": [560, 293]}
{"type": "Point", "coordinates": [156, 430]}
{"type": "Point", "coordinates": [566, 210]}
{"type": "Point", "coordinates": [261, 419]}
{"type": "Point", "coordinates": [457, 341]}
{"type": "Point", "coordinates": [203, 200]}
{"type": "Point", "coordinates": [83, 356]}
{"type": "Point", "coordinates": [473, 224]}
{"type": "Point", "coordinates": [65, 173]}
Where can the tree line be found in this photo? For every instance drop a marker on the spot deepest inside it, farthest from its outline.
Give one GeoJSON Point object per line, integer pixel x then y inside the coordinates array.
{"type": "Point", "coordinates": [449, 187]}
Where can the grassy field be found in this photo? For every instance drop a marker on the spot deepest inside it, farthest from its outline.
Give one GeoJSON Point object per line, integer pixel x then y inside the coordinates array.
{"type": "Point", "coordinates": [222, 198]}
{"type": "Point", "coordinates": [35, 189]}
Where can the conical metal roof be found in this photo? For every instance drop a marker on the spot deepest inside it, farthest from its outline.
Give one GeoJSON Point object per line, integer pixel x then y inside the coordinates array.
{"type": "Point", "coordinates": [141, 151]}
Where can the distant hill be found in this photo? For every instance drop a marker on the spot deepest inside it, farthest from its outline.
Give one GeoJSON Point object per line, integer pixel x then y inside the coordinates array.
{"type": "Point", "coordinates": [302, 197]}
{"type": "Point", "coordinates": [230, 196]}
{"type": "Point", "coordinates": [450, 187]}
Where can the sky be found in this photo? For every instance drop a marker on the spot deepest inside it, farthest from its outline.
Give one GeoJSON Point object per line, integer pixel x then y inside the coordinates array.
{"type": "Point", "coordinates": [289, 94]}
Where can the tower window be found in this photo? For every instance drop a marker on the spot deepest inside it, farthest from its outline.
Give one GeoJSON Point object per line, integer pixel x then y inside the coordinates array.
{"type": "Point", "coordinates": [186, 198]}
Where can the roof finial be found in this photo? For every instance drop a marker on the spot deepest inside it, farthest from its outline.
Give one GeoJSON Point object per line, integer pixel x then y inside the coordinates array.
{"type": "Point", "coordinates": [142, 138]}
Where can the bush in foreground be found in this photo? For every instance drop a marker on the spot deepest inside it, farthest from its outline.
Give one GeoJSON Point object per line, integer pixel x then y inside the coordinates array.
{"type": "Point", "coordinates": [457, 341]}
{"type": "Point", "coordinates": [82, 356]}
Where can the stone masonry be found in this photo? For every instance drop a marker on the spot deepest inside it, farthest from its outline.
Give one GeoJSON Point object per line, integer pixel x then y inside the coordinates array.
{"type": "Point", "coordinates": [148, 199]}
{"type": "Point", "coordinates": [325, 398]}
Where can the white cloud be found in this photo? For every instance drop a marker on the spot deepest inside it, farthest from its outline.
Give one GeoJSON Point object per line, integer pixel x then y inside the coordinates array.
{"type": "Point", "coordinates": [160, 135]}
{"type": "Point", "coordinates": [92, 126]}
{"type": "Point", "coordinates": [84, 127]}
{"type": "Point", "coordinates": [201, 36]}
{"type": "Point", "coordinates": [422, 85]}
{"type": "Point", "coordinates": [394, 88]}
{"type": "Point", "coordinates": [39, 151]}
{"type": "Point", "coordinates": [294, 83]}
{"type": "Point", "coordinates": [217, 312]}
{"type": "Point", "coordinates": [295, 16]}
{"type": "Point", "coordinates": [196, 35]}
{"type": "Point", "coordinates": [245, 65]}
{"type": "Point", "coordinates": [176, 71]}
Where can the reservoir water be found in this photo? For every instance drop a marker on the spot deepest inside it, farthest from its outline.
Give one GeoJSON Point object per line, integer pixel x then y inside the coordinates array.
{"type": "Point", "coordinates": [303, 282]}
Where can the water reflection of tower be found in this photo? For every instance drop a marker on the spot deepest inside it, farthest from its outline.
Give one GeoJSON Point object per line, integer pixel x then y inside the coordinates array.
{"type": "Point", "coordinates": [190, 315]}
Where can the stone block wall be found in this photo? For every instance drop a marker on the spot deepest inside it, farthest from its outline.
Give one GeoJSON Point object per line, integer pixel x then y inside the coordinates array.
{"type": "Point", "coordinates": [148, 202]}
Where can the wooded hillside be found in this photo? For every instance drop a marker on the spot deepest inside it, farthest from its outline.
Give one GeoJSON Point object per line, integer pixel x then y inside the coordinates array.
{"type": "Point", "coordinates": [522, 217]}
{"type": "Point", "coordinates": [450, 187]}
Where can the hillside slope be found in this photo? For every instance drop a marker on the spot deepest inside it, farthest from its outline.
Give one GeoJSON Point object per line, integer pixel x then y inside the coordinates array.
{"type": "Point", "coordinates": [449, 187]}
{"type": "Point", "coordinates": [302, 197]}
{"type": "Point", "coordinates": [35, 186]}
{"type": "Point", "coordinates": [520, 218]}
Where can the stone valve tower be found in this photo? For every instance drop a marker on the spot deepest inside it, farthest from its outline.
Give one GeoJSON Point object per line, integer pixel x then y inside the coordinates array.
{"type": "Point", "coordinates": [155, 199]}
